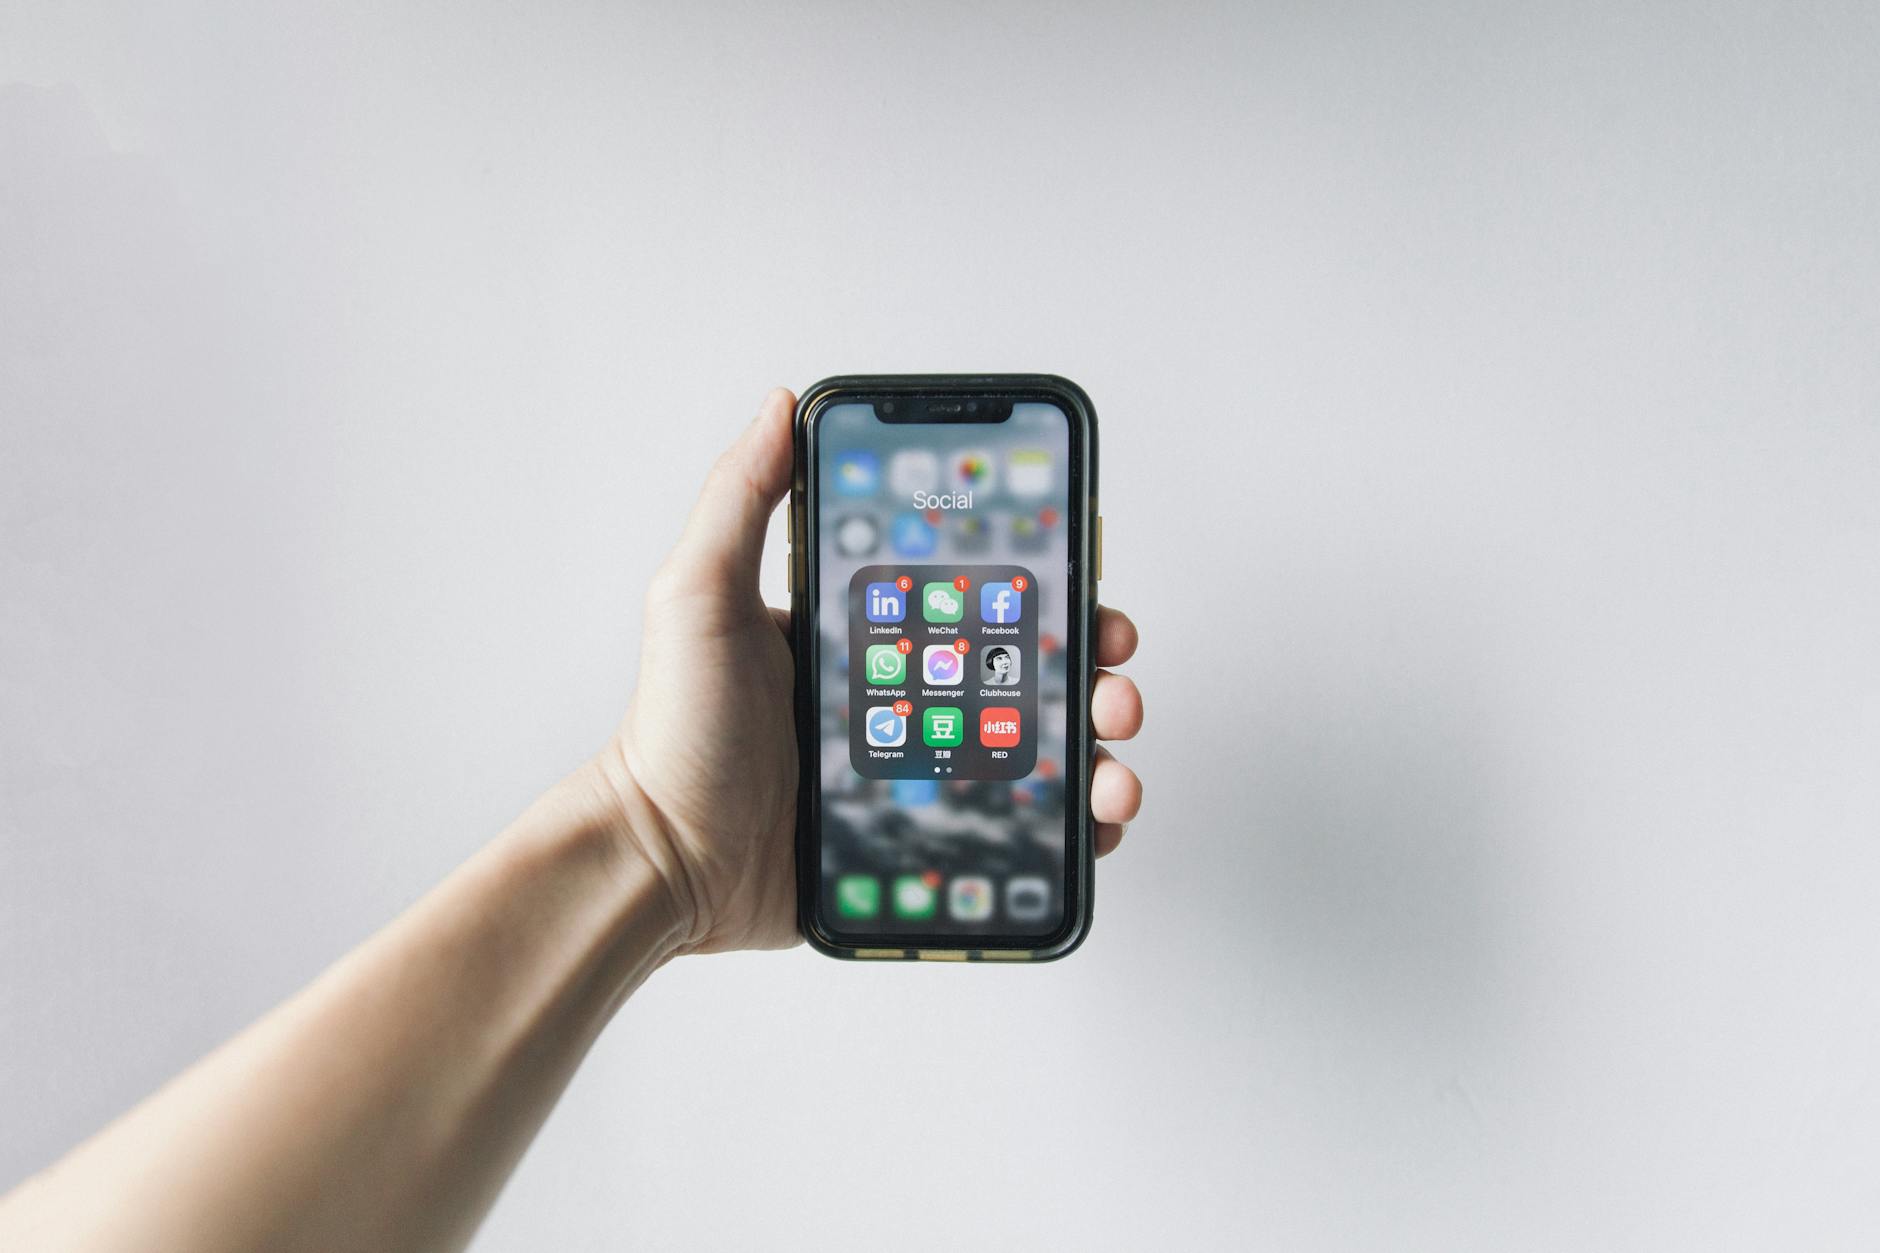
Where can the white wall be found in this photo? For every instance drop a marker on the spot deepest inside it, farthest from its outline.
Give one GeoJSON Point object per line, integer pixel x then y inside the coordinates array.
{"type": "Point", "coordinates": [1492, 459]}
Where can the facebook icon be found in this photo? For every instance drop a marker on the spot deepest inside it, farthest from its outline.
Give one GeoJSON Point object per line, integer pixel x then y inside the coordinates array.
{"type": "Point", "coordinates": [998, 603]}
{"type": "Point", "coordinates": [886, 603]}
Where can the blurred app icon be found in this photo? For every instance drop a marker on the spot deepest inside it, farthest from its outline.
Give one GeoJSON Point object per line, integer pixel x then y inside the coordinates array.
{"type": "Point", "coordinates": [971, 535]}
{"type": "Point", "coordinates": [942, 602]}
{"type": "Point", "coordinates": [858, 473]}
{"type": "Point", "coordinates": [999, 603]}
{"type": "Point", "coordinates": [970, 899]}
{"type": "Point", "coordinates": [1028, 898]}
{"type": "Point", "coordinates": [1028, 793]}
{"type": "Point", "coordinates": [941, 666]}
{"type": "Point", "coordinates": [999, 665]}
{"type": "Point", "coordinates": [886, 665]}
{"type": "Point", "coordinates": [884, 602]}
{"type": "Point", "coordinates": [1028, 472]}
{"type": "Point", "coordinates": [914, 793]}
{"type": "Point", "coordinates": [913, 470]}
{"type": "Point", "coordinates": [1027, 535]}
{"type": "Point", "coordinates": [972, 469]}
{"type": "Point", "coordinates": [915, 895]}
{"type": "Point", "coordinates": [911, 535]}
{"type": "Point", "coordinates": [942, 726]}
{"type": "Point", "coordinates": [856, 535]}
{"type": "Point", "coordinates": [858, 896]}
{"type": "Point", "coordinates": [998, 726]}
{"type": "Point", "coordinates": [884, 727]}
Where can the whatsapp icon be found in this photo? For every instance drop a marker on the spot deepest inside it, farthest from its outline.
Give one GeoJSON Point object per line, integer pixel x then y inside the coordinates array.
{"type": "Point", "coordinates": [940, 603]}
{"type": "Point", "coordinates": [885, 665]}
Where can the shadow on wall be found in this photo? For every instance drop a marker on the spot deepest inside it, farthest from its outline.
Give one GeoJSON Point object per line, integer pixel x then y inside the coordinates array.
{"type": "Point", "coordinates": [1366, 886]}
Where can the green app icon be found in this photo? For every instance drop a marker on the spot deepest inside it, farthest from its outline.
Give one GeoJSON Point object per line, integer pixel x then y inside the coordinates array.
{"type": "Point", "coordinates": [885, 664]}
{"type": "Point", "coordinates": [940, 603]}
{"type": "Point", "coordinates": [942, 726]}
{"type": "Point", "coordinates": [914, 897]}
{"type": "Point", "coordinates": [858, 896]}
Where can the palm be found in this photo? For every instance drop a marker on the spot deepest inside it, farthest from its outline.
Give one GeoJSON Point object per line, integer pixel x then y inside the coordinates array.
{"type": "Point", "coordinates": [712, 742]}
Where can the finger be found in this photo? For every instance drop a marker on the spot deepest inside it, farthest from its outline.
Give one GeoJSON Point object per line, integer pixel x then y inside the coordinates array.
{"type": "Point", "coordinates": [1115, 707]}
{"type": "Point", "coordinates": [1109, 835]}
{"type": "Point", "coordinates": [1116, 637]}
{"type": "Point", "coordinates": [782, 618]}
{"type": "Point", "coordinates": [724, 536]}
{"type": "Point", "coordinates": [1115, 791]}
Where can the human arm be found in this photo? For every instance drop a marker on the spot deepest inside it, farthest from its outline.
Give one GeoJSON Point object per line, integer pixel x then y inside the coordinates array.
{"type": "Point", "coordinates": [384, 1105]}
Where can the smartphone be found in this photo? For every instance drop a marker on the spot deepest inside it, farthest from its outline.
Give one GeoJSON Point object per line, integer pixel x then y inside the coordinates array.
{"type": "Point", "coordinates": [945, 548]}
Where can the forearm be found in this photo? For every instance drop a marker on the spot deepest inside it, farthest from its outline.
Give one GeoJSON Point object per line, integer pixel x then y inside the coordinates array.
{"type": "Point", "coordinates": [384, 1105]}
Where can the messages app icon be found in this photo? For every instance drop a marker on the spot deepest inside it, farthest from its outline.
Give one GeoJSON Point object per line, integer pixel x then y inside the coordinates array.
{"type": "Point", "coordinates": [941, 666]}
{"type": "Point", "coordinates": [885, 665]}
{"type": "Point", "coordinates": [941, 602]}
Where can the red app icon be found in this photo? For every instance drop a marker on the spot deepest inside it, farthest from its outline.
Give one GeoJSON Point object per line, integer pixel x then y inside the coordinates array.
{"type": "Point", "coordinates": [998, 726]}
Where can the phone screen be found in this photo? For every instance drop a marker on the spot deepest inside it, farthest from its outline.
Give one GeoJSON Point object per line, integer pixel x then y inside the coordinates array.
{"type": "Point", "coordinates": [944, 611]}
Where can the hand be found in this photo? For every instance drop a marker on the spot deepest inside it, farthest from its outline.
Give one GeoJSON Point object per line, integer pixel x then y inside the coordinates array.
{"type": "Point", "coordinates": [704, 765]}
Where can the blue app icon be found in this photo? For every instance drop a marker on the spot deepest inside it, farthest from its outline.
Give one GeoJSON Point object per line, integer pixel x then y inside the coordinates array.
{"type": "Point", "coordinates": [858, 474]}
{"type": "Point", "coordinates": [885, 602]}
{"type": "Point", "coordinates": [914, 793]}
{"type": "Point", "coordinates": [884, 727]}
{"type": "Point", "coordinates": [911, 536]}
{"type": "Point", "coordinates": [998, 603]}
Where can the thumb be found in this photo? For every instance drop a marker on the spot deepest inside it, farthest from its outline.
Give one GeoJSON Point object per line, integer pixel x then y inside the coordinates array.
{"type": "Point", "coordinates": [724, 536]}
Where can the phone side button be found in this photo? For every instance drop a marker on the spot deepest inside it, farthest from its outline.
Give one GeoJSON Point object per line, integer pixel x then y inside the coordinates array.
{"type": "Point", "coordinates": [789, 572]}
{"type": "Point", "coordinates": [1099, 548]}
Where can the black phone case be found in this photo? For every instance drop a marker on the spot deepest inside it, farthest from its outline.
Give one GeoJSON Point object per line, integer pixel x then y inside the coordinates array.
{"type": "Point", "coordinates": [1085, 544]}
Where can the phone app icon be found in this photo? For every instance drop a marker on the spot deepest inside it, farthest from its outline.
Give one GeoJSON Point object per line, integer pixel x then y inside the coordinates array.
{"type": "Point", "coordinates": [942, 726]}
{"type": "Point", "coordinates": [884, 602]}
{"type": "Point", "coordinates": [913, 470]}
{"type": "Point", "coordinates": [942, 602]}
{"type": "Point", "coordinates": [858, 473]}
{"type": "Point", "coordinates": [856, 536]}
{"type": "Point", "coordinates": [1028, 898]}
{"type": "Point", "coordinates": [972, 469]}
{"type": "Point", "coordinates": [911, 535]}
{"type": "Point", "coordinates": [999, 602]}
{"type": "Point", "coordinates": [1028, 472]}
{"type": "Point", "coordinates": [999, 665]}
{"type": "Point", "coordinates": [885, 665]}
{"type": "Point", "coordinates": [858, 896]}
{"type": "Point", "coordinates": [941, 666]}
{"type": "Point", "coordinates": [998, 726]}
{"type": "Point", "coordinates": [969, 899]}
{"type": "Point", "coordinates": [915, 895]}
{"type": "Point", "coordinates": [884, 727]}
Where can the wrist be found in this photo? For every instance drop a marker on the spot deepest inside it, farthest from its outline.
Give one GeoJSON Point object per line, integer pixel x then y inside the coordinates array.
{"type": "Point", "coordinates": [638, 842]}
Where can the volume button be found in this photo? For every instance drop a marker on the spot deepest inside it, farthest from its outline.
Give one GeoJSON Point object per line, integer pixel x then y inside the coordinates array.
{"type": "Point", "coordinates": [1099, 547]}
{"type": "Point", "coordinates": [789, 572]}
